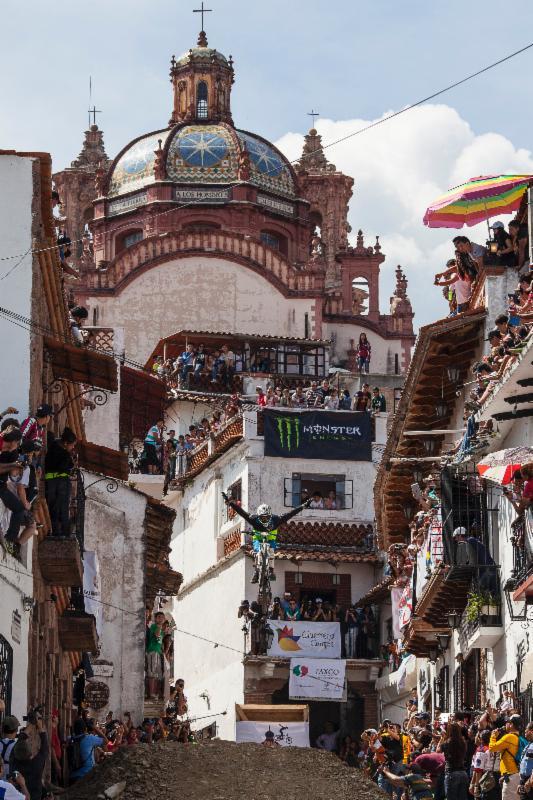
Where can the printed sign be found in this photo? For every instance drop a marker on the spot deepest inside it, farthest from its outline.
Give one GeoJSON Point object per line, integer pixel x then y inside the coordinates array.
{"type": "Point", "coordinates": [317, 679]}
{"type": "Point", "coordinates": [91, 588]}
{"type": "Point", "coordinates": [276, 205]}
{"type": "Point", "coordinates": [286, 734]}
{"type": "Point", "coordinates": [126, 204]}
{"type": "Point", "coordinates": [310, 639]}
{"type": "Point", "coordinates": [202, 195]}
{"type": "Point", "coordinates": [318, 434]}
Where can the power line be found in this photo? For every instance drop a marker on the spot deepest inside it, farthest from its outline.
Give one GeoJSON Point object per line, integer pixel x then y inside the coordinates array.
{"type": "Point", "coordinates": [364, 129]}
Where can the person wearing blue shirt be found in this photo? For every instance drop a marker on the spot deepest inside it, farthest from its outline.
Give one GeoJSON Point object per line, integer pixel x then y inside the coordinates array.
{"type": "Point", "coordinates": [88, 743]}
{"type": "Point", "coordinates": [526, 764]}
{"type": "Point", "coordinates": [187, 361]}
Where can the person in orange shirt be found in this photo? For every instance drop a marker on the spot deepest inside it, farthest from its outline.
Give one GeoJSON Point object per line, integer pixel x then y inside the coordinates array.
{"type": "Point", "coordinates": [506, 742]}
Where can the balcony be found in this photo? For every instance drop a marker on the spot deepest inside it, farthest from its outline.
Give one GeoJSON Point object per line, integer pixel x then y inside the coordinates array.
{"type": "Point", "coordinates": [77, 632]}
{"type": "Point", "coordinates": [60, 561]}
{"type": "Point", "coordinates": [190, 464]}
{"type": "Point", "coordinates": [480, 626]}
{"type": "Point", "coordinates": [522, 541]}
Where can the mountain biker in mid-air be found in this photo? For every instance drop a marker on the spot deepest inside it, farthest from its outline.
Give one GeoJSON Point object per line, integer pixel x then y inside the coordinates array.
{"type": "Point", "coordinates": [264, 521]}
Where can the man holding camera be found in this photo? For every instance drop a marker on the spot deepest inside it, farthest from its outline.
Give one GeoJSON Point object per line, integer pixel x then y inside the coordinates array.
{"type": "Point", "coordinates": [506, 741]}
{"type": "Point", "coordinates": [14, 788]}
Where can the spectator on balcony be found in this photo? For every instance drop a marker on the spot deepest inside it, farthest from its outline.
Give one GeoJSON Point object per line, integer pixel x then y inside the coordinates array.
{"type": "Point", "coordinates": [217, 364]}
{"type": "Point", "coordinates": [364, 351]}
{"type": "Point", "coordinates": [24, 485]}
{"type": "Point", "coordinates": [228, 357]}
{"type": "Point", "coordinates": [506, 251]}
{"type": "Point", "coordinates": [317, 501]}
{"type": "Point", "coordinates": [285, 399]}
{"type": "Point", "coordinates": [378, 404]}
{"type": "Point", "coordinates": [11, 465]}
{"type": "Point", "coordinates": [331, 503]}
{"type": "Point", "coordinates": [77, 316]}
{"type": "Point", "coordinates": [260, 396]}
{"type": "Point", "coordinates": [154, 657]}
{"type": "Point", "coordinates": [331, 402]}
{"type": "Point", "coordinates": [345, 401]}
{"type": "Point", "coordinates": [298, 398]}
{"type": "Point", "coordinates": [199, 362]}
{"type": "Point", "coordinates": [153, 442]}
{"type": "Point", "coordinates": [351, 622]}
{"type": "Point", "coordinates": [275, 611]}
{"type": "Point", "coordinates": [524, 290]}
{"type": "Point", "coordinates": [58, 464]}
{"type": "Point", "coordinates": [476, 251]}
{"type": "Point", "coordinates": [187, 364]}
{"type": "Point", "coordinates": [321, 613]}
{"type": "Point", "coordinates": [461, 284]}
{"type": "Point", "coordinates": [293, 612]}
{"type": "Point", "coordinates": [34, 428]}
{"type": "Point", "coordinates": [313, 396]}
{"type": "Point", "coordinates": [158, 362]}
{"type": "Point", "coordinates": [285, 602]}
{"type": "Point", "coordinates": [362, 399]}
{"type": "Point", "coordinates": [271, 400]}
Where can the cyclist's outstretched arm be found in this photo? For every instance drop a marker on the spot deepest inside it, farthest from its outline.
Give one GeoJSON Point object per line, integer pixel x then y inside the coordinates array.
{"type": "Point", "coordinates": [293, 512]}
{"type": "Point", "coordinates": [238, 510]}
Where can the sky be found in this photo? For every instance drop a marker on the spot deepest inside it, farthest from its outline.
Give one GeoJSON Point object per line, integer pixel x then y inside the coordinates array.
{"type": "Point", "coordinates": [354, 61]}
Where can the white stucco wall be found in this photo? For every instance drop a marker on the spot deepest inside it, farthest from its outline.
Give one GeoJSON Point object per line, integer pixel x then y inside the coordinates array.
{"type": "Point", "coordinates": [16, 581]}
{"type": "Point", "coordinates": [198, 293]}
{"type": "Point", "coordinates": [114, 530]}
{"type": "Point", "coordinates": [16, 193]}
{"type": "Point", "coordinates": [383, 350]}
{"type": "Point", "coordinates": [210, 610]}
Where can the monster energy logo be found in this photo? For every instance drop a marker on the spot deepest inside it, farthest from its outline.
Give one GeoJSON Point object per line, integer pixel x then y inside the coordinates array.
{"type": "Point", "coordinates": [288, 431]}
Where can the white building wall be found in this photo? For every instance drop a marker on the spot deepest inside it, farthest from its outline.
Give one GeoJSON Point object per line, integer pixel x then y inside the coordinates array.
{"type": "Point", "coordinates": [16, 196]}
{"type": "Point", "coordinates": [383, 350]}
{"type": "Point", "coordinates": [114, 529]}
{"type": "Point", "coordinates": [209, 610]}
{"type": "Point", "coordinates": [16, 582]}
{"type": "Point", "coordinates": [229, 296]}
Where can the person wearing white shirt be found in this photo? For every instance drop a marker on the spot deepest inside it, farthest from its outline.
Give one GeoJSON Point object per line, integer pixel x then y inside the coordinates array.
{"type": "Point", "coordinates": [14, 788]}
{"type": "Point", "coordinates": [328, 739]}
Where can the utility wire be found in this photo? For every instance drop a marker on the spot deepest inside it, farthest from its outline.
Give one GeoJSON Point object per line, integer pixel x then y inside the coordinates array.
{"type": "Point", "coordinates": [368, 127]}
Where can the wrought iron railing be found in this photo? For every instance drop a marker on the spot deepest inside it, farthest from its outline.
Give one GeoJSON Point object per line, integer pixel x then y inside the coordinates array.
{"type": "Point", "coordinates": [522, 541]}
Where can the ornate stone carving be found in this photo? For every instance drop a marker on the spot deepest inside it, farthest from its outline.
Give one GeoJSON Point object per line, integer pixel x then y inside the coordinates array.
{"type": "Point", "coordinates": [244, 169]}
{"type": "Point", "coordinates": [159, 164]}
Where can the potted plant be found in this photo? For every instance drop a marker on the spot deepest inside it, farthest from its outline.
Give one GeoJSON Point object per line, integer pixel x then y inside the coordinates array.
{"type": "Point", "coordinates": [481, 604]}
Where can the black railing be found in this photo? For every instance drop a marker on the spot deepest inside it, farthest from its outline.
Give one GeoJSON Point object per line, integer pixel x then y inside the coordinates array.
{"type": "Point", "coordinates": [77, 508]}
{"type": "Point", "coordinates": [522, 541]}
{"type": "Point", "coordinates": [524, 702]}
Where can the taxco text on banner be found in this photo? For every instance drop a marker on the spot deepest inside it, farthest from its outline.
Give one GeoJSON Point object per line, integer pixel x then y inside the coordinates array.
{"type": "Point", "coordinates": [317, 679]}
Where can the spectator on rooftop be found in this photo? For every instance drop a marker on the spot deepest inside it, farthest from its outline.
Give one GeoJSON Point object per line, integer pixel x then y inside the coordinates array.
{"type": "Point", "coordinates": [364, 352]}
{"type": "Point", "coordinates": [506, 252]}
{"type": "Point", "coordinates": [24, 486]}
{"type": "Point", "coordinates": [260, 396]}
{"type": "Point", "coordinates": [58, 464]}
{"type": "Point", "coordinates": [476, 251]}
{"type": "Point", "coordinates": [461, 283]}
{"type": "Point", "coordinates": [199, 362]}
{"type": "Point", "coordinates": [10, 464]}
{"type": "Point", "coordinates": [378, 403]}
{"type": "Point", "coordinates": [520, 239]}
{"type": "Point", "coordinates": [153, 442]}
{"type": "Point", "coordinates": [362, 398]}
{"type": "Point", "coordinates": [228, 359]}
{"type": "Point", "coordinates": [187, 364]}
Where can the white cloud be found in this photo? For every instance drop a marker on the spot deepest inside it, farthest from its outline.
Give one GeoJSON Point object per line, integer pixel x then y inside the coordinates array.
{"type": "Point", "coordinates": [399, 169]}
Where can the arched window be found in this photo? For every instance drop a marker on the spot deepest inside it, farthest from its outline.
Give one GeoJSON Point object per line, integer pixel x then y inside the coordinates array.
{"type": "Point", "coordinates": [360, 296]}
{"type": "Point", "coordinates": [276, 241]}
{"type": "Point", "coordinates": [201, 100]}
{"type": "Point", "coordinates": [127, 239]}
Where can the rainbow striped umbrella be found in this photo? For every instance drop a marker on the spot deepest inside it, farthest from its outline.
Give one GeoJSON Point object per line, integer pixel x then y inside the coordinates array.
{"type": "Point", "coordinates": [477, 200]}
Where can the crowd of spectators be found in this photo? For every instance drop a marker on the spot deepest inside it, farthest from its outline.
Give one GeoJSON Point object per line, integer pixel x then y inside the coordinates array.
{"type": "Point", "coordinates": [29, 454]}
{"type": "Point", "coordinates": [454, 756]}
{"type": "Point", "coordinates": [462, 271]}
{"type": "Point", "coordinates": [358, 625]}
{"type": "Point", "coordinates": [323, 395]}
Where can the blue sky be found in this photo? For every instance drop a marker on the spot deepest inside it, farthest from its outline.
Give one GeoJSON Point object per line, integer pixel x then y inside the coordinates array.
{"type": "Point", "coordinates": [353, 60]}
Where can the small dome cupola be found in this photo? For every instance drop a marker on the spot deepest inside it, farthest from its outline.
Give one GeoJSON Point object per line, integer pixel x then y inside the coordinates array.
{"type": "Point", "coordinates": [201, 80]}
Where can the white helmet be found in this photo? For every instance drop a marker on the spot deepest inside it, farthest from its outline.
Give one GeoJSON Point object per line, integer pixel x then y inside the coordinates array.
{"type": "Point", "coordinates": [264, 511]}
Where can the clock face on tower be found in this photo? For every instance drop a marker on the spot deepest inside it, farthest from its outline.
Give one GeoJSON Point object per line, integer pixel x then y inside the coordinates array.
{"type": "Point", "coordinates": [202, 148]}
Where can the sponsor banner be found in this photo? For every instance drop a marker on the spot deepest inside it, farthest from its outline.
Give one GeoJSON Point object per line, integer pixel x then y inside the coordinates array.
{"type": "Point", "coordinates": [339, 435]}
{"type": "Point", "coordinates": [405, 606]}
{"type": "Point", "coordinates": [317, 679]}
{"type": "Point", "coordinates": [92, 588]}
{"type": "Point", "coordinates": [309, 639]}
{"type": "Point", "coordinates": [286, 734]}
{"type": "Point", "coordinates": [202, 195]}
{"type": "Point", "coordinates": [126, 204]}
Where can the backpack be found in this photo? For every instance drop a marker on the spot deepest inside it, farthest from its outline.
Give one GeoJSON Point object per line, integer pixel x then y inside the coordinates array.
{"type": "Point", "coordinates": [522, 744]}
{"type": "Point", "coordinates": [75, 761]}
{"type": "Point", "coordinates": [6, 754]}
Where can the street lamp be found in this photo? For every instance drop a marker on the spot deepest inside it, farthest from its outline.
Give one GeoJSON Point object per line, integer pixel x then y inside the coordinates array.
{"type": "Point", "coordinates": [409, 510]}
{"type": "Point", "coordinates": [433, 653]}
{"type": "Point", "coordinates": [453, 620]}
{"type": "Point", "coordinates": [453, 374]}
{"type": "Point", "coordinates": [443, 640]}
{"type": "Point", "coordinates": [418, 475]}
{"type": "Point", "coordinates": [269, 636]}
{"type": "Point", "coordinates": [430, 445]}
{"type": "Point", "coordinates": [441, 409]}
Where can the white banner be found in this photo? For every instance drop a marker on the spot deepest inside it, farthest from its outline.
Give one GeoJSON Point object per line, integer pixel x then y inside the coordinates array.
{"type": "Point", "coordinates": [92, 588]}
{"type": "Point", "coordinates": [317, 679]}
{"type": "Point", "coordinates": [311, 639]}
{"type": "Point", "coordinates": [286, 734]}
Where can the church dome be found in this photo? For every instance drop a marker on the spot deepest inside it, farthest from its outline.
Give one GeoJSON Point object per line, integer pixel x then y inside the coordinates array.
{"type": "Point", "coordinates": [203, 154]}
{"type": "Point", "coordinates": [205, 53]}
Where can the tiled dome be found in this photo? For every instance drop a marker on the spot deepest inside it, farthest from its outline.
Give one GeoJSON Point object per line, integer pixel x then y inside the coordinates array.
{"type": "Point", "coordinates": [209, 53]}
{"type": "Point", "coordinates": [203, 154]}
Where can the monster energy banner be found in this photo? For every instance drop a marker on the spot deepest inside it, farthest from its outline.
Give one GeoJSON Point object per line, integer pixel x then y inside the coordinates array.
{"type": "Point", "coordinates": [338, 435]}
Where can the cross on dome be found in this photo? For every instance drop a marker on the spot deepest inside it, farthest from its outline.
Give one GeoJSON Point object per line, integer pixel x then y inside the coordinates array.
{"type": "Point", "coordinates": [202, 38]}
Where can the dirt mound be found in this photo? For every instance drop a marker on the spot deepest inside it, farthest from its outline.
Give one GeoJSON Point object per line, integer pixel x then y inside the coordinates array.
{"type": "Point", "coordinates": [225, 771]}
